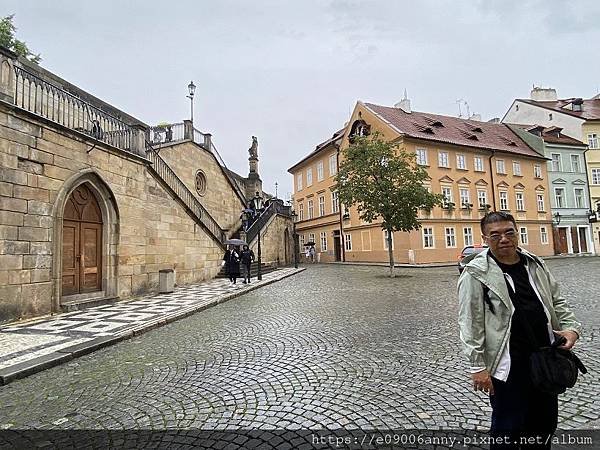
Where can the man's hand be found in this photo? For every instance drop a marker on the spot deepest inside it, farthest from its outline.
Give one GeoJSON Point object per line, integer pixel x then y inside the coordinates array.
{"type": "Point", "coordinates": [483, 382]}
{"type": "Point", "coordinates": [570, 336]}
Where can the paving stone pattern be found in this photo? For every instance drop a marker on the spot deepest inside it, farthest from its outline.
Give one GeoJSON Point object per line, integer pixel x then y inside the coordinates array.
{"type": "Point", "coordinates": [333, 348]}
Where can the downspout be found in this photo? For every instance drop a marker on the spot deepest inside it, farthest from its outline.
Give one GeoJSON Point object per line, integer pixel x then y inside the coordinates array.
{"type": "Point", "coordinates": [492, 177]}
{"type": "Point", "coordinates": [342, 238]}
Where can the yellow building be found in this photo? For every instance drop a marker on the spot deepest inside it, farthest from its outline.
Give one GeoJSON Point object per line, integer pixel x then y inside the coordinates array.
{"type": "Point", "coordinates": [478, 166]}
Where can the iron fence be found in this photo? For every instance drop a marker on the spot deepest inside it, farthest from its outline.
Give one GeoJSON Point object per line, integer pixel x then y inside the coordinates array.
{"type": "Point", "coordinates": [40, 97]}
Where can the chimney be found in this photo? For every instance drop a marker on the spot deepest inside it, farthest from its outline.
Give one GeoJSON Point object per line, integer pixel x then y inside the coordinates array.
{"type": "Point", "coordinates": [540, 94]}
{"type": "Point", "coordinates": [476, 117]}
{"type": "Point", "coordinates": [404, 104]}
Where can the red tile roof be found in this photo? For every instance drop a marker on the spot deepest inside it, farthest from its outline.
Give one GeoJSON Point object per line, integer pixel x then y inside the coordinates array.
{"type": "Point", "coordinates": [553, 135]}
{"type": "Point", "coordinates": [590, 109]}
{"type": "Point", "coordinates": [335, 139]}
{"type": "Point", "coordinates": [454, 130]}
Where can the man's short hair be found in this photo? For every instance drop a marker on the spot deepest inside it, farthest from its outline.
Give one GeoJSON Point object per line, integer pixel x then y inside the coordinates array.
{"type": "Point", "coordinates": [496, 216]}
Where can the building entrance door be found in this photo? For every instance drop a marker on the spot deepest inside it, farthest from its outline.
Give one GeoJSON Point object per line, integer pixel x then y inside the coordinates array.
{"type": "Point", "coordinates": [337, 245]}
{"type": "Point", "coordinates": [82, 243]}
{"type": "Point", "coordinates": [563, 246]}
{"type": "Point", "coordinates": [583, 247]}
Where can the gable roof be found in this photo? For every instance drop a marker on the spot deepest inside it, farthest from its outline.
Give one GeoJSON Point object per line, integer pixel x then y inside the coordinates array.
{"type": "Point", "coordinates": [335, 140]}
{"type": "Point", "coordinates": [453, 130]}
{"type": "Point", "coordinates": [590, 109]}
{"type": "Point", "coordinates": [551, 135]}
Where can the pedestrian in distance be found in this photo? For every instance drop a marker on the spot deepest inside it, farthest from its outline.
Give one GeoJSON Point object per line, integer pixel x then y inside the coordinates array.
{"type": "Point", "coordinates": [510, 306]}
{"type": "Point", "coordinates": [246, 256]}
{"type": "Point", "coordinates": [312, 253]}
{"type": "Point", "coordinates": [231, 261]}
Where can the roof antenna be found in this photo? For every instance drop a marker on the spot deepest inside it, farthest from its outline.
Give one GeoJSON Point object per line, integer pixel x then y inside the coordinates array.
{"type": "Point", "coordinates": [459, 101]}
{"type": "Point", "coordinates": [405, 94]}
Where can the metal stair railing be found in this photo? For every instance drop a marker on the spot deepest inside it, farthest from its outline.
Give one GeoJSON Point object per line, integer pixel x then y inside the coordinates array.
{"type": "Point", "coordinates": [191, 203]}
{"type": "Point", "coordinates": [274, 207]}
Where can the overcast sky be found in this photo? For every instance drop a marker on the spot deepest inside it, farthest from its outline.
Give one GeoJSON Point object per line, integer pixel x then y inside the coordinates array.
{"type": "Point", "coordinates": [290, 72]}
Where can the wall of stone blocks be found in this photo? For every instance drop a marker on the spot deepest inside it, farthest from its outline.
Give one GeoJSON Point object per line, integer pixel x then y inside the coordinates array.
{"type": "Point", "coordinates": [272, 242]}
{"type": "Point", "coordinates": [38, 163]}
{"type": "Point", "coordinates": [220, 198]}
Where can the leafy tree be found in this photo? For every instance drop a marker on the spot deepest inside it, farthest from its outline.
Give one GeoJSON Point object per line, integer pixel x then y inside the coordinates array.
{"type": "Point", "coordinates": [8, 40]}
{"type": "Point", "coordinates": [385, 182]}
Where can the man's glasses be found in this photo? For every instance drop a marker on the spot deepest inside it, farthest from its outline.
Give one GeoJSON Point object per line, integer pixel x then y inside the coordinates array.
{"type": "Point", "coordinates": [510, 234]}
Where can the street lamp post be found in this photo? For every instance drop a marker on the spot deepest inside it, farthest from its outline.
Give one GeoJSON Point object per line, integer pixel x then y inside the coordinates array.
{"type": "Point", "coordinates": [192, 90]}
{"type": "Point", "coordinates": [556, 218]}
{"type": "Point", "coordinates": [295, 238]}
{"type": "Point", "coordinates": [258, 205]}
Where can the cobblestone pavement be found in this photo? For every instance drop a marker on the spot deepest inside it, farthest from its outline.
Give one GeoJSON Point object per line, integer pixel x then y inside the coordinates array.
{"type": "Point", "coordinates": [335, 347]}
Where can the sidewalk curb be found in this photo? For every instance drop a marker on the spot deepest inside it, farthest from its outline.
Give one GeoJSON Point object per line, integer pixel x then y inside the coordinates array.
{"type": "Point", "coordinates": [35, 365]}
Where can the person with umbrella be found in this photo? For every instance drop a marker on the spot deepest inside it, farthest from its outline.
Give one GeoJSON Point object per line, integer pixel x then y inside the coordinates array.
{"type": "Point", "coordinates": [231, 261]}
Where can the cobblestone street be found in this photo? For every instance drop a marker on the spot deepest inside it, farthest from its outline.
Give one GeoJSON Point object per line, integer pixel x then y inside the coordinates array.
{"type": "Point", "coordinates": [333, 347]}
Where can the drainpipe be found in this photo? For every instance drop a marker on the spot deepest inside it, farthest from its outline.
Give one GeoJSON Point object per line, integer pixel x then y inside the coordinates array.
{"type": "Point", "coordinates": [492, 176]}
{"type": "Point", "coordinates": [340, 212]}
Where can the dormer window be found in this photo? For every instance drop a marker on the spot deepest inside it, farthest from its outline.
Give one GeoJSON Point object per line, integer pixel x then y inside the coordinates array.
{"type": "Point", "coordinates": [359, 128]}
{"type": "Point", "coordinates": [550, 116]}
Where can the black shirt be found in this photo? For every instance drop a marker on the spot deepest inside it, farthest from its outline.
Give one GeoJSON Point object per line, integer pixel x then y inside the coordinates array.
{"type": "Point", "coordinates": [529, 328]}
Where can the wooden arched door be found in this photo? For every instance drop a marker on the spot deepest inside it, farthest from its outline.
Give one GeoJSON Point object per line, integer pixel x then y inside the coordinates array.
{"type": "Point", "coordinates": [82, 243]}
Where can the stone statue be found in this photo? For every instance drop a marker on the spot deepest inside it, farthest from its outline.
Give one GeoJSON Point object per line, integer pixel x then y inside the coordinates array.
{"type": "Point", "coordinates": [253, 150]}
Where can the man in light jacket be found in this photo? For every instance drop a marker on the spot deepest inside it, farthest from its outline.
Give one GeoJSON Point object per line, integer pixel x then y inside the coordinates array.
{"type": "Point", "coordinates": [509, 306]}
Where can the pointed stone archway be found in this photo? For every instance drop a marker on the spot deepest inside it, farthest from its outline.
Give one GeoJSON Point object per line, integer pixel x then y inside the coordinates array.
{"type": "Point", "coordinates": [85, 238]}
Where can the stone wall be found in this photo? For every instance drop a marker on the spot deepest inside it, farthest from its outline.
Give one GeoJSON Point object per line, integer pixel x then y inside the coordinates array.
{"type": "Point", "coordinates": [145, 230]}
{"type": "Point", "coordinates": [220, 199]}
{"type": "Point", "coordinates": [273, 242]}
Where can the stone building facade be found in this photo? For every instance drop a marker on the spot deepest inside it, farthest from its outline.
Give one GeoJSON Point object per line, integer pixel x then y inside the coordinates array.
{"type": "Point", "coordinates": [89, 210]}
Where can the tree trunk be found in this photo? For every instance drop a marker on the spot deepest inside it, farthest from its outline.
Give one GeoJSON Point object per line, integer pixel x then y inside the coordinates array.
{"type": "Point", "coordinates": [390, 253]}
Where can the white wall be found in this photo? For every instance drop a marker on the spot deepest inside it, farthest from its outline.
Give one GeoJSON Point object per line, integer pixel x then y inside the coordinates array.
{"type": "Point", "coordinates": [535, 115]}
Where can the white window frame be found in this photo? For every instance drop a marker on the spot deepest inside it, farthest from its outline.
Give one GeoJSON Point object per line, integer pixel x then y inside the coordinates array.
{"type": "Point", "coordinates": [503, 196]}
{"type": "Point", "coordinates": [520, 201]}
{"type": "Point", "coordinates": [595, 178]}
{"type": "Point", "coordinates": [461, 161]}
{"type": "Point", "coordinates": [544, 236]}
{"type": "Point", "coordinates": [310, 208]}
{"type": "Point", "coordinates": [443, 159]}
{"type": "Point", "coordinates": [468, 235]}
{"type": "Point", "coordinates": [556, 168]}
{"type": "Point", "coordinates": [299, 182]}
{"type": "Point", "coordinates": [332, 164]}
{"type": "Point", "coordinates": [500, 167]}
{"type": "Point", "coordinates": [482, 197]}
{"type": "Point", "coordinates": [582, 197]}
{"type": "Point", "coordinates": [323, 236]}
{"type": "Point", "coordinates": [523, 236]}
{"type": "Point", "coordinates": [385, 242]}
{"type": "Point", "coordinates": [517, 168]}
{"type": "Point", "coordinates": [301, 240]}
{"type": "Point", "coordinates": [421, 156]}
{"type": "Point", "coordinates": [348, 242]}
{"type": "Point", "coordinates": [301, 211]}
{"type": "Point", "coordinates": [541, 203]}
{"type": "Point", "coordinates": [447, 198]}
{"type": "Point", "coordinates": [537, 171]}
{"type": "Point", "coordinates": [450, 235]}
{"type": "Point", "coordinates": [593, 140]}
{"type": "Point", "coordinates": [320, 171]}
{"type": "Point", "coordinates": [321, 205]}
{"type": "Point", "coordinates": [428, 237]}
{"type": "Point", "coordinates": [464, 198]}
{"type": "Point", "coordinates": [311, 237]}
{"type": "Point", "coordinates": [309, 178]}
{"type": "Point", "coordinates": [563, 197]}
{"type": "Point", "coordinates": [478, 164]}
{"type": "Point", "coordinates": [335, 202]}
{"type": "Point", "coordinates": [578, 158]}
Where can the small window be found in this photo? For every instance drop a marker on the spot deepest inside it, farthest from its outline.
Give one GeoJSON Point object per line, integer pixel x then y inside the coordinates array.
{"type": "Point", "coordinates": [428, 238]}
{"type": "Point", "coordinates": [482, 198]}
{"type": "Point", "coordinates": [593, 140]}
{"type": "Point", "coordinates": [311, 212]}
{"type": "Point", "coordinates": [503, 200]}
{"type": "Point", "coordinates": [540, 203]}
{"type": "Point", "coordinates": [335, 202]}
{"type": "Point", "coordinates": [478, 163]}
{"type": "Point", "coordinates": [575, 165]}
{"type": "Point", "coordinates": [461, 162]}
{"type": "Point", "coordinates": [309, 177]}
{"type": "Point", "coordinates": [348, 242]}
{"type": "Point", "coordinates": [517, 168]}
{"type": "Point", "coordinates": [468, 235]}
{"type": "Point", "coordinates": [443, 160]}
{"type": "Point", "coordinates": [579, 198]}
{"type": "Point", "coordinates": [332, 164]}
{"type": "Point", "coordinates": [465, 198]}
{"type": "Point", "coordinates": [500, 168]}
{"type": "Point", "coordinates": [523, 235]}
{"type": "Point", "coordinates": [520, 201]}
{"type": "Point", "coordinates": [447, 193]}
{"type": "Point", "coordinates": [320, 175]}
{"type": "Point", "coordinates": [200, 183]}
{"type": "Point", "coordinates": [537, 171]}
{"type": "Point", "coordinates": [323, 241]}
{"type": "Point", "coordinates": [299, 182]}
{"type": "Point", "coordinates": [421, 156]}
{"type": "Point", "coordinates": [559, 196]}
{"type": "Point", "coordinates": [450, 237]}
{"type": "Point", "coordinates": [595, 176]}
{"type": "Point", "coordinates": [555, 163]}
{"type": "Point", "coordinates": [543, 235]}
{"type": "Point", "coordinates": [321, 205]}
